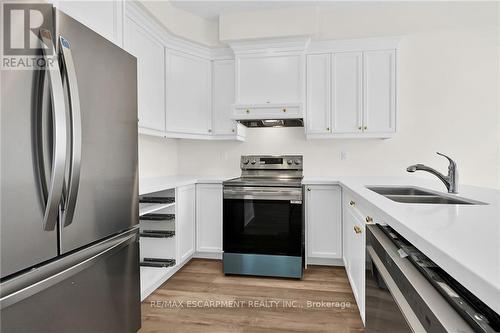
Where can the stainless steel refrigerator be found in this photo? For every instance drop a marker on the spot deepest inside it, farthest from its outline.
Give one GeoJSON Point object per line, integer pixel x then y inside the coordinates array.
{"type": "Point", "coordinates": [69, 187]}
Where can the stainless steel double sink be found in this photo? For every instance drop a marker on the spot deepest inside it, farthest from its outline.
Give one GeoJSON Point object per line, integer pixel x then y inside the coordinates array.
{"type": "Point", "coordinates": [416, 195]}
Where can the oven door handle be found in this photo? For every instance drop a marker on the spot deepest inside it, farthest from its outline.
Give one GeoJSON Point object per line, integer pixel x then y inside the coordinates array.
{"type": "Point", "coordinates": [264, 193]}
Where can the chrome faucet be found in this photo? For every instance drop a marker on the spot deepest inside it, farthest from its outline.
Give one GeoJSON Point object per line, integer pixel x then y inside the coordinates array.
{"type": "Point", "coordinates": [450, 181]}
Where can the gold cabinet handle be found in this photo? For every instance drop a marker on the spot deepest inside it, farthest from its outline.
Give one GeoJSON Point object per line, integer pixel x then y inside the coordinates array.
{"type": "Point", "coordinates": [357, 229]}
{"type": "Point", "coordinates": [247, 111]}
{"type": "Point", "coordinates": [369, 219]}
{"type": "Point", "coordinates": [284, 110]}
{"type": "Point", "coordinates": [352, 203]}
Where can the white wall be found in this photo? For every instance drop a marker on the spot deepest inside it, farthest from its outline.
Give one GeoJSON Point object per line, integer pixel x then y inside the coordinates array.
{"type": "Point", "coordinates": [447, 94]}
{"type": "Point", "coordinates": [344, 19]}
{"type": "Point", "coordinates": [157, 157]}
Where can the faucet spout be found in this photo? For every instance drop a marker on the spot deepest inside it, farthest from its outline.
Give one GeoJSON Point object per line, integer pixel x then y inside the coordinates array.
{"type": "Point", "coordinates": [450, 180]}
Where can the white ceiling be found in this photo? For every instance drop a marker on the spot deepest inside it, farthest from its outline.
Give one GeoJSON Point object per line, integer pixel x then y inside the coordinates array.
{"type": "Point", "coordinates": [212, 9]}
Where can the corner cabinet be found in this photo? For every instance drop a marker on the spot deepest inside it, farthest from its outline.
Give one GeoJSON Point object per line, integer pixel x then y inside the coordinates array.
{"type": "Point", "coordinates": [185, 90]}
{"type": "Point", "coordinates": [323, 224]}
{"type": "Point", "coordinates": [351, 94]}
{"type": "Point", "coordinates": [187, 94]}
{"type": "Point", "coordinates": [150, 77]}
{"type": "Point", "coordinates": [209, 219]}
{"type": "Point", "coordinates": [185, 218]}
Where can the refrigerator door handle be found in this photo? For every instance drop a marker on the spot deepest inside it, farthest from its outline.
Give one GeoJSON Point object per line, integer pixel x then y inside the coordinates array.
{"type": "Point", "coordinates": [39, 279]}
{"type": "Point", "coordinates": [59, 128]}
{"type": "Point", "coordinates": [69, 75]}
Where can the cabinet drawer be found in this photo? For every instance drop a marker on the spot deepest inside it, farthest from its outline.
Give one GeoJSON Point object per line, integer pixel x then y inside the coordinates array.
{"type": "Point", "coordinates": [360, 210]}
{"type": "Point", "coordinates": [274, 111]}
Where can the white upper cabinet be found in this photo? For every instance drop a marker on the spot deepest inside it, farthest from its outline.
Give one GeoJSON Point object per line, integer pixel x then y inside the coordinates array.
{"type": "Point", "coordinates": [188, 94]}
{"type": "Point", "coordinates": [318, 93]}
{"type": "Point", "coordinates": [347, 100]}
{"type": "Point", "coordinates": [223, 97]}
{"type": "Point", "coordinates": [269, 79]}
{"type": "Point", "coordinates": [379, 91]}
{"type": "Point", "coordinates": [150, 76]}
{"type": "Point", "coordinates": [104, 17]}
{"type": "Point", "coordinates": [175, 82]}
{"type": "Point", "coordinates": [354, 96]}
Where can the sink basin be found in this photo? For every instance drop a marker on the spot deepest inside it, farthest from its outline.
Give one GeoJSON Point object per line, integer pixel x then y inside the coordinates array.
{"type": "Point", "coordinates": [400, 190]}
{"type": "Point", "coordinates": [428, 199]}
{"type": "Point", "coordinates": [415, 195]}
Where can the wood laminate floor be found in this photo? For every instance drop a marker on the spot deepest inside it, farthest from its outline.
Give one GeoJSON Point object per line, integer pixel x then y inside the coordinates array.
{"type": "Point", "coordinates": [200, 298]}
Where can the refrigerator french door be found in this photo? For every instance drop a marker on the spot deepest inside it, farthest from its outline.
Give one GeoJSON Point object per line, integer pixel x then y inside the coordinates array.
{"type": "Point", "coordinates": [69, 180]}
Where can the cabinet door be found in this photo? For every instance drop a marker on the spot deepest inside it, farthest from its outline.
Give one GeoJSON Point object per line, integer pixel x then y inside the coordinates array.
{"type": "Point", "coordinates": [185, 221]}
{"type": "Point", "coordinates": [318, 93]}
{"type": "Point", "coordinates": [150, 75]}
{"type": "Point", "coordinates": [209, 218]}
{"type": "Point", "coordinates": [324, 221]}
{"type": "Point", "coordinates": [223, 97]}
{"type": "Point", "coordinates": [354, 257]}
{"type": "Point", "coordinates": [104, 17]}
{"type": "Point", "coordinates": [379, 91]}
{"type": "Point", "coordinates": [347, 107]}
{"type": "Point", "coordinates": [188, 93]}
{"type": "Point", "coordinates": [269, 78]}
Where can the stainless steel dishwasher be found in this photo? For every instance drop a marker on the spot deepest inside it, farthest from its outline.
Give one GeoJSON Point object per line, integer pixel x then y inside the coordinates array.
{"type": "Point", "coordinates": [407, 292]}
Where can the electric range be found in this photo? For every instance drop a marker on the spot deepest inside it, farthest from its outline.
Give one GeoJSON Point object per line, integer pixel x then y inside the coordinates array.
{"type": "Point", "coordinates": [263, 223]}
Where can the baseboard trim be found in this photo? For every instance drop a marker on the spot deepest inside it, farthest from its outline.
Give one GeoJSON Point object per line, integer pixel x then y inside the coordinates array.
{"type": "Point", "coordinates": [325, 262]}
{"type": "Point", "coordinates": [208, 255]}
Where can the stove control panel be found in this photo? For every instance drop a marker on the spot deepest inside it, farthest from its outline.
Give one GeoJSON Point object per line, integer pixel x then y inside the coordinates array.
{"type": "Point", "coordinates": [263, 162]}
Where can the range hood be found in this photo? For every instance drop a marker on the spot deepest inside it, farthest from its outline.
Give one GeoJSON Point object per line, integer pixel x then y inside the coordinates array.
{"type": "Point", "coordinates": [299, 122]}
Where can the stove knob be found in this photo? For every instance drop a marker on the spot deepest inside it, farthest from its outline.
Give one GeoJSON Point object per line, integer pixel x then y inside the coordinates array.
{"type": "Point", "coordinates": [289, 162]}
{"type": "Point", "coordinates": [246, 161]}
{"type": "Point", "coordinates": [297, 162]}
{"type": "Point", "coordinates": [253, 162]}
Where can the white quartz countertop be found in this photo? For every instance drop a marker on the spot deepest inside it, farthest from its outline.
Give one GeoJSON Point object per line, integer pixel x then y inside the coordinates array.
{"type": "Point", "coordinates": [155, 184]}
{"type": "Point", "coordinates": [464, 240]}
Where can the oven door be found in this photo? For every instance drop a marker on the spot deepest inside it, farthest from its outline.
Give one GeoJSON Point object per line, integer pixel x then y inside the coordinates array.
{"type": "Point", "coordinates": [263, 220]}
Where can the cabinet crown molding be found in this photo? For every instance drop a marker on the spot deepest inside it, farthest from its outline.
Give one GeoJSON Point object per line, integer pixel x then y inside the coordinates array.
{"type": "Point", "coordinates": [270, 45]}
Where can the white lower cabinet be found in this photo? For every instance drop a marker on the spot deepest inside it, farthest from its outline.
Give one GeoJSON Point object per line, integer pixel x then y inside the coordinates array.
{"type": "Point", "coordinates": [185, 218]}
{"type": "Point", "coordinates": [354, 252]}
{"type": "Point", "coordinates": [209, 218]}
{"type": "Point", "coordinates": [324, 223]}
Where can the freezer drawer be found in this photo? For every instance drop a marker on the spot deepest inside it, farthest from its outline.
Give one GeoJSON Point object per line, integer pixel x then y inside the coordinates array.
{"type": "Point", "coordinates": [100, 293]}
